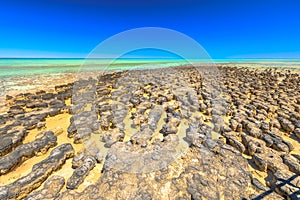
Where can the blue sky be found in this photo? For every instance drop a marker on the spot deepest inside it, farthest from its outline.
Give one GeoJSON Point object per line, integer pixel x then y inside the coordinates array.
{"type": "Point", "coordinates": [226, 29]}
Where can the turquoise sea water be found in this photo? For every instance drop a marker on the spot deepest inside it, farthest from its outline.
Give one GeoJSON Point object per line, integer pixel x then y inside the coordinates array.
{"type": "Point", "coordinates": [32, 66]}
{"type": "Point", "coordinates": [28, 66]}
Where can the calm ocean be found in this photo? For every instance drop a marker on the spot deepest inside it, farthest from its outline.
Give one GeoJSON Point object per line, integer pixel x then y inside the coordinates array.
{"type": "Point", "coordinates": [32, 66]}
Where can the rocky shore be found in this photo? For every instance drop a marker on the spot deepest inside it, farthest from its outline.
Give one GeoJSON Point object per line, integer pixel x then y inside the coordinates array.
{"type": "Point", "coordinates": [212, 132]}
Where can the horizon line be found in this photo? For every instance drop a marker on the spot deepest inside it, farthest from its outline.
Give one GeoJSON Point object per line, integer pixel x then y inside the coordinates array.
{"type": "Point", "coordinates": [283, 58]}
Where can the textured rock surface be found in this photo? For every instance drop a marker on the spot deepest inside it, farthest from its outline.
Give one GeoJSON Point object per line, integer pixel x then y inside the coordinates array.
{"type": "Point", "coordinates": [193, 176]}
{"type": "Point", "coordinates": [40, 171]}
{"type": "Point", "coordinates": [174, 133]}
{"type": "Point", "coordinates": [25, 151]}
{"type": "Point", "coordinates": [11, 140]}
{"type": "Point", "coordinates": [81, 172]}
{"type": "Point", "coordinates": [50, 190]}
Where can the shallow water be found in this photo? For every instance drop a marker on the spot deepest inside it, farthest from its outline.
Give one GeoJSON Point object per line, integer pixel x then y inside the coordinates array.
{"type": "Point", "coordinates": [21, 66]}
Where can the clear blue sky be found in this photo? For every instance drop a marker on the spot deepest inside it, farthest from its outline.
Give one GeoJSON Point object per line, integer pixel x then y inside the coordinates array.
{"type": "Point", "coordinates": [226, 29]}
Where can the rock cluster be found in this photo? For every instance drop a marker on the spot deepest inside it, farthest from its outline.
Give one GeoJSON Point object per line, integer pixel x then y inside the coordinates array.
{"type": "Point", "coordinates": [40, 171]}
{"type": "Point", "coordinates": [175, 133]}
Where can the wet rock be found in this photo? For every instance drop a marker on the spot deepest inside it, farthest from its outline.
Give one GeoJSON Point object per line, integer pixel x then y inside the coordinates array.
{"type": "Point", "coordinates": [25, 151]}
{"type": "Point", "coordinates": [40, 171]}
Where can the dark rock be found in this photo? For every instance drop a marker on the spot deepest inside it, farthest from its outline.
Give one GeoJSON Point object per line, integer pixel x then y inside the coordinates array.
{"type": "Point", "coordinates": [142, 136]}
{"type": "Point", "coordinates": [169, 129]}
{"type": "Point", "coordinates": [297, 132]}
{"type": "Point", "coordinates": [11, 140]}
{"type": "Point", "coordinates": [253, 145]}
{"type": "Point", "coordinates": [237, 144]}
{"type": "Point", "coordinates": [292, 162]}
{"type": "Point", "coordinates": [286, 124]}
{"type": "Point", "coordinates": [54, 111]}
{"type": "Point", "coordinates": [259, 185]}
{"type": "Point", "coordinates": [110, 137]}
{"type": "Point", "coordinates": [15, 110]}
{"type": "Point", "coordinates": [154, 117]}
{"type": "Point", "coordinates": [57, 104]}
{"type": "Point", "coordinates": [81, 172]}
{"type": "Point", "coordinates": [48, 96]}
{"type": "Point", "coordinates": [41, 125]}
{"type": "Point", "coordinates": [37, 105]}
{"type": "Point", "coordinates": [25, 151]}
{"type": "Point", "coordinates": [171, 126]}
{"type": "Point", "coordinates": [296, 122]}
{"type": "Point", "coordinates": [233, 124]}
{"type": "Point", "coordinates": [210, 144]}
{"type": "Point", "coordinates": [82, 135]}
{"type": "Point", "coordinates": [71, 130]}
{"type": "Point", "coordinates": [287, 184]}
{"type": "Point", "coordinates": [279, 144]}
{"type": "Point", "coordinates": [50, 190]}
{"type": "Point", "coordinates": [31, 123]}
{"type": "Point", "coordinates": [40, 171]}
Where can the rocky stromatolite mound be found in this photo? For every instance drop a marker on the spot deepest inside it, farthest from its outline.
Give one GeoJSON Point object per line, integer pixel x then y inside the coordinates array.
{"type": "Point", "coordinates": [174, 133]}
{"type": "Point", "coordinates": [40, 172]}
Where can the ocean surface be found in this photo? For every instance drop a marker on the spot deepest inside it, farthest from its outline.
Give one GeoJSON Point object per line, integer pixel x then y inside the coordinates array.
{"type": "Point", "coordinates": [32, 66]}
